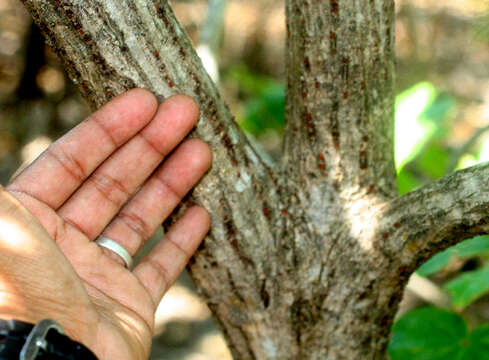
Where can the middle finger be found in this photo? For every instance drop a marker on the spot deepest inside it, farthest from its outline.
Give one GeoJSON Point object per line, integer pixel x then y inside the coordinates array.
{"type": "Point", "coordinates": [143, 214]}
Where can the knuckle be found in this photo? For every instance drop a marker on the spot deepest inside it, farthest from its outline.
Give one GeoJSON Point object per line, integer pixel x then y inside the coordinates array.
{"type": "Point", "coordinates": [110, 188]}
{"type": "Point", "coordinates": [137, 224]}
{"type": "Point", "coordinates": [69, 162]}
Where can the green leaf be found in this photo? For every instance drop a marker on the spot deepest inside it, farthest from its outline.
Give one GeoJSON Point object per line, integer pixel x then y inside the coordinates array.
{"type": "Point", "coordinates": [406, 181]}
{"type": "Point", "coordinates": [484, 153]}
{"type": "Point", "coordinates": [428, 334]}
{"type": "Point", "coordinates": [435, 264]}
{"type": "Point", "coordinates": [439, 109]}
{"type": "Point", "coordinates": [433, 160]}
{"type": "Point", "coordinates": [433, 334]}
{"type": "Point", "coordinates": [265, 111]}
{"type": "Point", "coordinates": [250, 83]}
{"type": "Point", "coordinates": [412, 130]}
{"type": "Point", "coordinates": [468, 287]}
{"type": "Point", "coordinates": [472, 247]}
{"type": "Point", "coordinates": [478, 344]}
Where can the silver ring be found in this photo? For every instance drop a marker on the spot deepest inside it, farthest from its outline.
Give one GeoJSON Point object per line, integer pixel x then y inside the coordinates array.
{"type": "Point", "coordinates": [115, 247]}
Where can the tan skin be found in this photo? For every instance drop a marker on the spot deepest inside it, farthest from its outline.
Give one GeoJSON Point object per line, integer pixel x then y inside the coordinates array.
{"type": "Point", "coordinates": [83, 186]}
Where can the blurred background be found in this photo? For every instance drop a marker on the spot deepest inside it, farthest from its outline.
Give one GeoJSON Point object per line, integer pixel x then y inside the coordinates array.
{"type": "Point", "coordinates": [442, 113]}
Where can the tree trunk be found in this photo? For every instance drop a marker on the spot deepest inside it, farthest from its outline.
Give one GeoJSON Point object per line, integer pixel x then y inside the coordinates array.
{"type": "Point", "coordinates": [307, 259]}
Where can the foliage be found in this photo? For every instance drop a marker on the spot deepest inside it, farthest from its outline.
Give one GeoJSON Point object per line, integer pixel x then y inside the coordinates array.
{"type": "Point", "coordinates": [472, 247]}
{"type": "Point", "coordinates": [468, 287]}
{"type": "Point", "coordinates": [264, 101]}
{"type": "Point", "coordinates": [266, 111]}
{"type": "Point", "coordinates": [422, 117]}
{"type": "Point", "coordinates": [431, 333]}
{"type": "Point", "coordinates": [413, 129]}
{"type": "Point", "coordinates": [434, 334]}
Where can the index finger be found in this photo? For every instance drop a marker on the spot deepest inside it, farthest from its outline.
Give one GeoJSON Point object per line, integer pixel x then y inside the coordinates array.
{"type": "Point", "coordinates": [61, 169]}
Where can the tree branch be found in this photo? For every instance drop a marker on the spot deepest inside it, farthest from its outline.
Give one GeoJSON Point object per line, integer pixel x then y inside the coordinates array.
{"type": "Point", "coordinates": [418, 225]}
{"type": "Point", "coordinates": [112, 45]}
{"type": "Point", "coordinates": [340, 98]}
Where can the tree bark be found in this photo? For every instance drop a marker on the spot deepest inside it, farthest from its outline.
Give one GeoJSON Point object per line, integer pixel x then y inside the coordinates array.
{"type": "Point", "coordinates": [306, 260]}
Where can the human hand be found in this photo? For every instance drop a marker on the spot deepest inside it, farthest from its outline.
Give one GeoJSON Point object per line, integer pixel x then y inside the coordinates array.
{"type": "Point", "coordinates": [81, 187]}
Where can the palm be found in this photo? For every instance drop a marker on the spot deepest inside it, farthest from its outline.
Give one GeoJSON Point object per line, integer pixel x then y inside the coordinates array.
{"type": "Point", "coordinates": [116, 298]}
{"type": "Point", "coordinates": [83, 186]}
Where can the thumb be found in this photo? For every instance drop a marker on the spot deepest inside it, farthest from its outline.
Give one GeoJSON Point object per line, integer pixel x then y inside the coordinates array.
{"type": "Point", "coordinates": [36, 279]}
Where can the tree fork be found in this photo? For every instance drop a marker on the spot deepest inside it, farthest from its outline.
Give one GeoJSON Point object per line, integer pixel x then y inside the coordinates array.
{"type": "Point", "coordinates": [338, 161]}
{"type": "Point", "coordinates": [307, 262]}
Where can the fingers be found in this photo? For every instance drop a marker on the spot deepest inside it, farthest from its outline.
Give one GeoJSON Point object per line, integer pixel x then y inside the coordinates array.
{"type": "Point", "coordinates": [101, 196]}
{"type": "Point", "coordinates": [60, 170]}
{"type": "Point", "coordinates": [160, 268]}
{"type": "Point", "coordinates": [144, 213]}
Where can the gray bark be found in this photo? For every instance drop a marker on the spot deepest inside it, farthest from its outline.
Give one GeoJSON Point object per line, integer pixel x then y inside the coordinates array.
{"type": "Point", "coordinates": [308, 260]}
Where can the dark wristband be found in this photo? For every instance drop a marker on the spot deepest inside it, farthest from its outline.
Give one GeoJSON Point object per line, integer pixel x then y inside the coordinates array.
{"type": "Point", "coordinates": [43, 341]}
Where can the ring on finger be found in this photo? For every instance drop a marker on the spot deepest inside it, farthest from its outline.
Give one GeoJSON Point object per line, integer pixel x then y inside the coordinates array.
{"type": "Point", "coordinates": [115, 247]}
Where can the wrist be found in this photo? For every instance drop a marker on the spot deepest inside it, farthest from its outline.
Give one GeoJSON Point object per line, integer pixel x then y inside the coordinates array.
{"type": "Point", "coordinates": [75, 327]}
{"type": "Point", "coordinates": [41, 341]}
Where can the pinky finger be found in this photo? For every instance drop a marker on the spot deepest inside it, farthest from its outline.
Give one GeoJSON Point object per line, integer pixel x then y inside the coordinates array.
{"type": "Point", "coordinates": [162, 266]}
